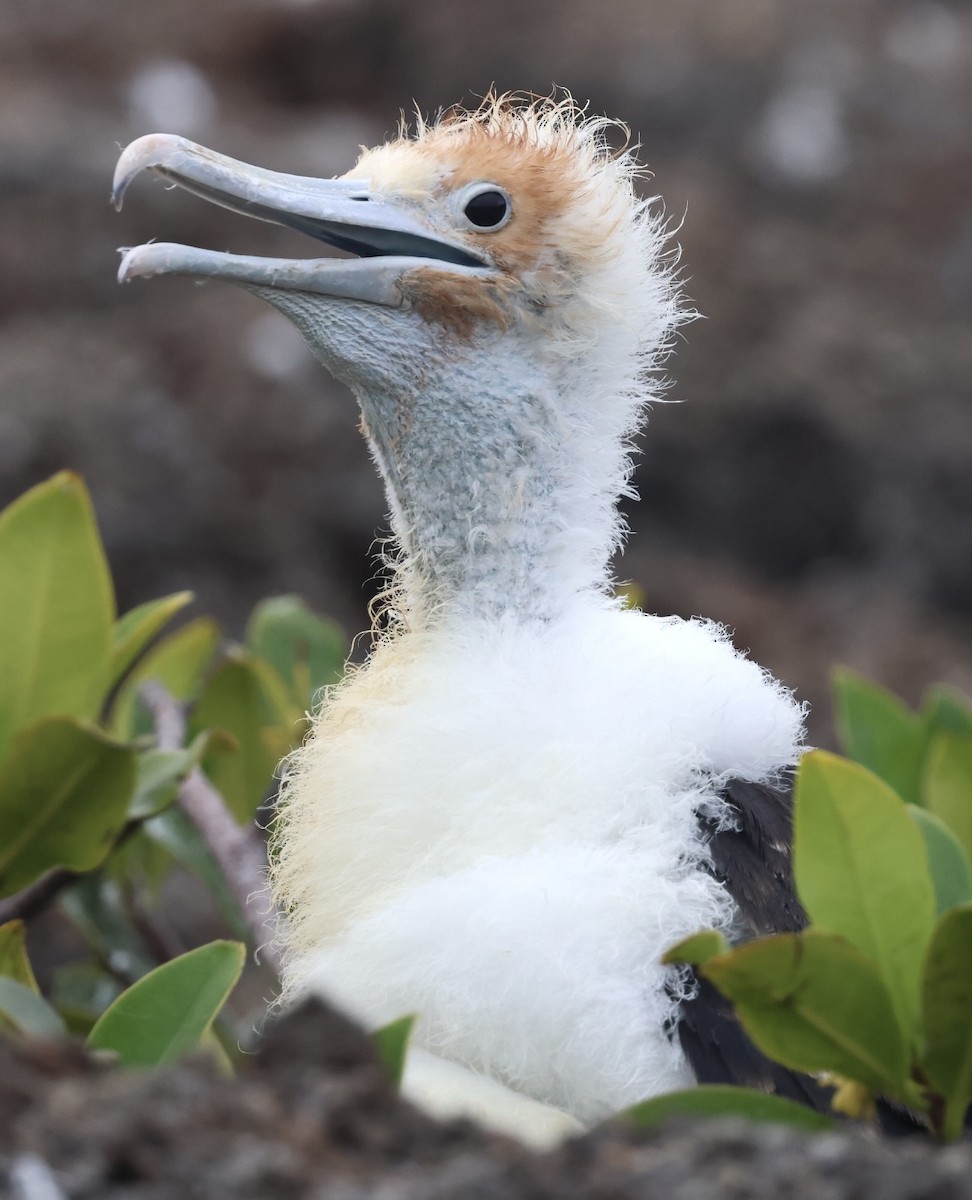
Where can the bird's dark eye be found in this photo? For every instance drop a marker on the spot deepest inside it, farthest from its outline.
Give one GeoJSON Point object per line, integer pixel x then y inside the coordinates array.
{"type": "Point", "coordinates": [487, 209]}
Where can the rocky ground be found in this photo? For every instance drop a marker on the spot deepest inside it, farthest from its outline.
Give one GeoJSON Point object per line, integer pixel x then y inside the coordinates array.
{"type": "Point", "coordinates": [814, 490]}
{"type": "Point", "coordinates": [314, 1117]}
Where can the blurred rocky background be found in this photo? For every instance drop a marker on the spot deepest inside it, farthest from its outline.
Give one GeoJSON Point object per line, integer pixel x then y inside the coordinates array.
{"type": "Point", "coordinates": [812, 487]}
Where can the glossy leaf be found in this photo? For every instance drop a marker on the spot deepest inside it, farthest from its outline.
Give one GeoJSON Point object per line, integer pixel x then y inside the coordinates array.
{"type": "Point", "coordinates": [391, 1042]}
{"type": "Point", "coordinates": [58, 606]}
{"type": "Point", "coordinates": [813, 1002]}
{"type": "Point", "coordinates": [697, 949]}
{"type": "Point", "coordinates": [234, 700]}
{"type": "Point", "coordinates": [307, 651]}
{"type": "Point", "coordinates": [861, 870]}
{"type": "Point", "coordinates": [723, 1100]}
{"type": "Point", "coordinates": [168, 1012]}
{"type": "Point", "coordinates": [64, 795]}
{"type": "Point", "coordinates": [950, 869]}
{"type": "Point", "coordinates": [948, 784]}
{"type": "Point", "coordinates": [947, 996]}
{"type": "Point", "coordinates": [133, 632]}
{"type": "Point", "coordinates": [159, 774]}
{"type": "Point", "coordinates": [27, 1013]}
{"type": "Point", "coordinates": [880, 732]}
{"type": "Point", "coordinates": [179, 662]}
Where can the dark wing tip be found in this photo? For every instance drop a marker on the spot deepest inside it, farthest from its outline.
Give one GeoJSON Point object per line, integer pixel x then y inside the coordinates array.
{"type": "Point", "coordinates": [753, 858]}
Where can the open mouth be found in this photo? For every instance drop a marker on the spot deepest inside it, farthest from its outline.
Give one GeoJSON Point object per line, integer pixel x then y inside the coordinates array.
{"type": "Point", "coordinates": [342, 213]}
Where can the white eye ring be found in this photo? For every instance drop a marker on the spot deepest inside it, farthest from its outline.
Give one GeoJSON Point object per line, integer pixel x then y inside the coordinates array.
{"type": "Point", "coordinates": [484, 207]}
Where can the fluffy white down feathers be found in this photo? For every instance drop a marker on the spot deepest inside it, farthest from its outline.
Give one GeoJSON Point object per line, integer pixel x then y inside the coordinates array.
{"type": "Point", "coordinates": [494, 827]}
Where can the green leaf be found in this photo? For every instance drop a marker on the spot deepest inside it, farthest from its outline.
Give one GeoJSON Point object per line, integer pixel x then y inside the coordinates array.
{"type": "Point", "coordinates": [217, 1049]}
{"type": "Point", "coordinates": [64, 795]}
{"type": "Point", "coordinates": [159, 774]}
{"type": "Point", "coordinates": [283, 715]}
{"type": "Point", "coordinates": [861, 870]}
{"type": "Point", "coordinates": [168, 1012]}
{"type": "Point", "coordinates": [133, 632]}
{"type": "Point", "coordinates": [880, 732]}
{"type": "Point", "coordinates": [948, 784]}
{"type": "Point", "coordinates": [14, 963]}
{"type": "Point", "coordinates": [141, 865]}
{"type": "Point", "coordinates": [697, 949]}
{"type": "Point", "coordinates": [27, 1013]}
{"type": "Point", "coordinates": [723, 1100]}
{"type": "Point", "coordinates": [391, 1042]}
{"type": "Point", "coordinates": [179, 662]}
{"type": "Point", "coordinates": [236, 701]}
{"type": "Point", "coordinates": [947, 997]}
{"type": "Point", "coordinates": [950, 869]}
{"type": "Point", "coordinates": [58, 606]}
{"type": "Point", "coordinates": [306, 650]}
{"type": "Point", "coordinates": [813, 1002]}
{"type": "Point", "coordinates": [173, 830]}
{"type": "Point", "coordinates": [946, 710]}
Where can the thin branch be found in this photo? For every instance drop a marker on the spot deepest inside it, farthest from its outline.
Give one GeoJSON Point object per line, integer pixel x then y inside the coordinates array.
{"type": "Point", "coordinates": [160, 944]}
{"type": "Point", "coordinates": [33, 899]}
{"type": "Point", "coordinates": [239, 851]}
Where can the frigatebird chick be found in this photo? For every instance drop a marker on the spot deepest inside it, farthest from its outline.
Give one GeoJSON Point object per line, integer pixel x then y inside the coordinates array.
{"type": "Point", "coordinates": [503, 819]}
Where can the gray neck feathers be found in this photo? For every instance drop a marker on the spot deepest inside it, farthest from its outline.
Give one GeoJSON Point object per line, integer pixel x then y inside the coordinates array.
{"type": "Point", "coordinates": [496, 503]}
{"type": "Point", "coordinates": [502, 466]}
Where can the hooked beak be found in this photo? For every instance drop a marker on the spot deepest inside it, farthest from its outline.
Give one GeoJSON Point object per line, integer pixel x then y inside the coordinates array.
{"type": "Point", "coordinates": [388, 239]}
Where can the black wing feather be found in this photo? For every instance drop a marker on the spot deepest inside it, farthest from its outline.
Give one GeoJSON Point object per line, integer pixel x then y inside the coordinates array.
{"type": "Point", "coordinates": [753, 860]}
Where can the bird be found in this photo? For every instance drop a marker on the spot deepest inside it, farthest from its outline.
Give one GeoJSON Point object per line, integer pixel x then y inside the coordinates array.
{"type": "Point", "coordinates": [530, 790]}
